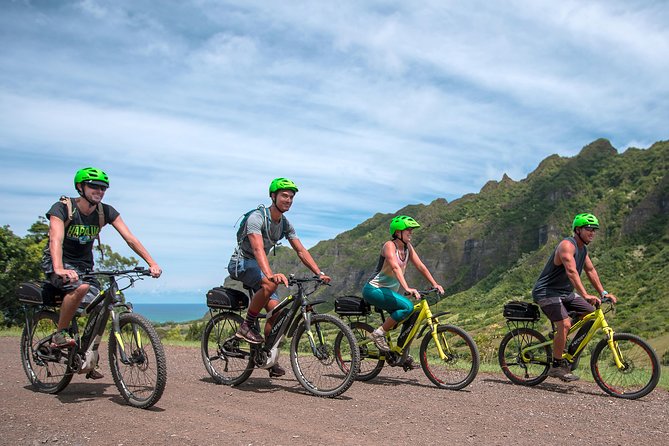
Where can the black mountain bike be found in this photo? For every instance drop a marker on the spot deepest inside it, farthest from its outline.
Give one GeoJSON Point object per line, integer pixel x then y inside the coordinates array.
{"type": "Point", "coordinates": [136, 357]}
{"type": "Point", "coordinates": [231, 360]}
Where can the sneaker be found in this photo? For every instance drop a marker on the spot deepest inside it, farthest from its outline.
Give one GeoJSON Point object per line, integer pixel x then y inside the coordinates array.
{"type": "Point", "coordinates": [379, 341]}
{"type": "Point", "coordinates": [94, 374]}
{"type": "Point", "coordinates": [249, 333]}
{"type": "Point", "coordinates": [276, 370]}
{"type": "Point", "coordinates": [61, 339]}
{"type": "Point", "coordinates": [409, 364]}
{"type": "Point", "coordinates": [562, 371]}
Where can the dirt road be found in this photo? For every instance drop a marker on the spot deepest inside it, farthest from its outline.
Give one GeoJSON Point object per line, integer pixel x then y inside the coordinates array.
{"type": "Point", "coordinates": [396, 407]}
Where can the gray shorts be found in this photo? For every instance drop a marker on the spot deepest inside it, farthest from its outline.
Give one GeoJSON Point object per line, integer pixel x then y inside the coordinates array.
{"type": "Point", "coordinates": [248, 272]}
{"type": "Point", "coordinates": [68, 287]}
{"type": "Point", "coordinates": [557, 308]}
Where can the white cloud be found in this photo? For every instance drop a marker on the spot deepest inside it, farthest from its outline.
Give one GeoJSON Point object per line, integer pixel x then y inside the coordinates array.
{"type": "Point", "coordinates": [192, 107]}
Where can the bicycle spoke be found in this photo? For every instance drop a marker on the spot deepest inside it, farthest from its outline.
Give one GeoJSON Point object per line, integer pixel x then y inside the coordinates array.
{"type": "Point", "coordinates": [226, 357]}
{"type": "Point", "coordinates": [45, 367]}
{"type": "Point", "coordinates": [318, 366]}
{"type": "Point", "coordinates": [640, 371]}
{"type": "Point", "coordinates": [141, 372]}
{"type": "Point", "coordinates": [460, 363]}
{"type": "Point", "coordinates": [521, 364]}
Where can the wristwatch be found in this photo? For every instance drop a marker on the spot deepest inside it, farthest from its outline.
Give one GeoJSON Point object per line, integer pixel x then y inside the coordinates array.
{"type": "Point", "coordinates": [603, 293]}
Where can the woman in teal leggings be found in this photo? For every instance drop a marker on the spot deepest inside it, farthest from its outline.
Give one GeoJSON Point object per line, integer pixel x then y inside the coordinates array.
{"type": "Point", "coordinates": [382, 288]}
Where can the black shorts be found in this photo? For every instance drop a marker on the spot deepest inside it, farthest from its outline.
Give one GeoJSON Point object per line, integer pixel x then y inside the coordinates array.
{"type": "Point", "coordinates": [557, 308]}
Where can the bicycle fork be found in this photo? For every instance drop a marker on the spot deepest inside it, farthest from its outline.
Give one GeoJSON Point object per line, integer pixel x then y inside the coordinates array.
{"type": "Point", "coordinates": [439, 340]}
{"type": "Point", "coordinates": [116, 328]}
{"type": "Point", "coordinates": [613, 346]}
{"type": "Point", "coordinates": [318, 353]}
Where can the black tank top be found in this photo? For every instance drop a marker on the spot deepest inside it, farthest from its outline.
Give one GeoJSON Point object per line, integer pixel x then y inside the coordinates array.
{"type": "Point", "coordinates": [553, 280]}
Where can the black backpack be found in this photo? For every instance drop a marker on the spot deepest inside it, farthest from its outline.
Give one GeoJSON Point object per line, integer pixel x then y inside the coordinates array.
{"type": "Point", "coordinates": [242, 225]}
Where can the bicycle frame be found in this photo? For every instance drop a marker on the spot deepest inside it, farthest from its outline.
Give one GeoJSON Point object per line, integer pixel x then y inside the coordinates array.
{"type": "Point", "coordinates": [599, 323]}
{"type": "Point", "coordinates": [87, 344]}
{"type": "Point", "coordinates": [425, 320]}
{"type": "Point", "coordinates": [286, 324]}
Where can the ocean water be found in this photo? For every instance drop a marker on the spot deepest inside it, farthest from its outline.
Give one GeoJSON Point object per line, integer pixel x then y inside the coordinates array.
{"type": "Point", "coordinates": [160, 313]}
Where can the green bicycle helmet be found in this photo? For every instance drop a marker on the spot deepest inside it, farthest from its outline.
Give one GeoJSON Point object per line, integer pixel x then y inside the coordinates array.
{"type": "Point", "coordinates": [585, 219]}
{"type": "Point", "coordinates": [91, 175]}
{"type": "Point", "coordinates": [278, 184]}
{"type": "Point", "coordinates": [402, 222]}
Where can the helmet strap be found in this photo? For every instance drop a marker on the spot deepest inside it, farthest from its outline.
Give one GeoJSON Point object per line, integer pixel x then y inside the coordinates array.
{"type": "Point", "coordinates": [401, 239]}
{"type": "Point", "coordinates": [83, 195]}
{"type": "Point", "coordinates": [578, 234]}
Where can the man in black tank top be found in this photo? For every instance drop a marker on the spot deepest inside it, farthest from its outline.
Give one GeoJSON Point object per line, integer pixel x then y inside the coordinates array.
{"type": "Point", "coordinates": [559, 289]}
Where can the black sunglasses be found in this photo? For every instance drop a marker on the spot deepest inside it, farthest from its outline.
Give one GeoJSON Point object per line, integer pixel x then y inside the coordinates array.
{"type": "Point", "coordinates": [97, 186]}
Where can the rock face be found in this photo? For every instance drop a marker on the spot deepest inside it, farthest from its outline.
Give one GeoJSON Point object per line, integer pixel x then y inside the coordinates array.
{"type": "Point", "coordinates": [480, 236]}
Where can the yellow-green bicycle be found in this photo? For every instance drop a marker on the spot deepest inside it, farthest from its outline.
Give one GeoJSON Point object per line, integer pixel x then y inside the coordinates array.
{"type": "Point", "coordinates": [622, 364]}
{"type": "Point", "coordinates": [449, 356]}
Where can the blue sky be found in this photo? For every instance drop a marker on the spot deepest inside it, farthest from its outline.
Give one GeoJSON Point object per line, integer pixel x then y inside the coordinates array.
{"type": "Point", "coordinates": [193, 106]}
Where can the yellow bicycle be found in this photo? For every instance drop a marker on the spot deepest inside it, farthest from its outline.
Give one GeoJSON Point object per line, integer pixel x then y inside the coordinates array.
{"type": "Point", "coordinates": [622, 364]}
{"type": "Point", "coordinates": [449, 356]}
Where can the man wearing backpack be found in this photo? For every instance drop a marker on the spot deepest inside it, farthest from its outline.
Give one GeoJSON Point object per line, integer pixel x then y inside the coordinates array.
{"type": "Point", "coordinates": [74, 224]}
{"type": "Point", "coordinates": [259, 232]}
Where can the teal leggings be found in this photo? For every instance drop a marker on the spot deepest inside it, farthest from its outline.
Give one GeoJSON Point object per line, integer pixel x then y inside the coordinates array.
{"type": "Point", "coordinates": [397, 305]}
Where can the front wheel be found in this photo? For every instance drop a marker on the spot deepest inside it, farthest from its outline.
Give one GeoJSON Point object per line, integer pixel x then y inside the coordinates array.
{"type": "Point", "coordinates": [371, 361]}
{"type": "Point", "coordinates": [316, 355]}
{"type": "Point", "coordinates": [226, 357]}
{"type": "Point", "coordinates": [461, 362]}
{"type": "Point", "coordinates": [640, 372]}
{"type": "Point", "coordinates": [523, 358]}
{"type": "Point", "coordinates": [45, 367]}
{"type": "Point", "coordinates": [137, 361]}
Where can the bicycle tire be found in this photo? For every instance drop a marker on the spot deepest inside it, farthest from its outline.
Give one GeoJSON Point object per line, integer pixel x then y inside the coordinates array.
{"type": "Point", "coordinates": [322, 376]}
{"type": "Point", "coordinates": [461, 365]}
{"type": "Point", "coordinates": [642, 367]}
{"type": "Point", "coordinates": [142, 380]}
{"type": "Point", "coordinates": [370, 356]}
{"type": "Point", "coordinates": [528, 370]}
{"type": "Point", "coordinates": [217, 339]}
{"type": "Point", "coordinates": [45, 375]}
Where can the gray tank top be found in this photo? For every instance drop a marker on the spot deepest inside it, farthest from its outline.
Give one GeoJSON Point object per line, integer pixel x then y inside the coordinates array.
{"type": "Point", "coordinates": [553, 280]}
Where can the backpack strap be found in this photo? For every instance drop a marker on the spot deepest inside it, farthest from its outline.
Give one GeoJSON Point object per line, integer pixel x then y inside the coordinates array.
{"type": "Point", "coordinates": [70, 209]}
{"type": "Point", "coordinates": [69, 203]}
{"type": "Point", "coordinates": [101, 217]}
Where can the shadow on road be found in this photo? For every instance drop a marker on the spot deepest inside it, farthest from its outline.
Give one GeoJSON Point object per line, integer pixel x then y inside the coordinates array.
{"type": "Point", "coordinates": [270, 385]}
{"type": "Point", "coordinates": [556, 387]}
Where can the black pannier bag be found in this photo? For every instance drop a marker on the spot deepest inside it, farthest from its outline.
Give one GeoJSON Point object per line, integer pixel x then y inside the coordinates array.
{"type": "Point", "coordinates": [352, 306]}
{"type": "Point", "coordinates": [227, 298]}
{"type": "Point", "coordinates": [521, 311]}
{"type": "Point", "coordinates": [39, 293]}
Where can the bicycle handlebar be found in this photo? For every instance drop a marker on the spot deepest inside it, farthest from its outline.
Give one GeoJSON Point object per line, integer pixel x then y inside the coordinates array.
{"type": "Point", "coordinates": [139, 270]}
{"type": "Point", "coordinates": [292, 280]}
{"type": "Point", "coordinates": [424, 293]}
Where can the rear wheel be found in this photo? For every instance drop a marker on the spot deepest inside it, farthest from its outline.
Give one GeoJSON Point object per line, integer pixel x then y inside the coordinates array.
{"type": "Point", "coordinates": [640, 372]}
{"type": "Point", "coordinates": [520, 363]}
{"type": "Point", "coordinates": [461, 363]}
{"type": "Point", "coordinates": [140, 373]}
{"type": "Point", "coordinates": [45, 367]}
{"type": "Point", "coordinates": [371, 361]}
{"type": "Point", "coordinates": [317, 366]}
{"type": "Point", "coordinates": [226, 357]}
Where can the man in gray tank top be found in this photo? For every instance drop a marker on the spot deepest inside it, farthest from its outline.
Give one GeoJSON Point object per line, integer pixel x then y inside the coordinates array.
{"type": "Point", "coordinates": [559, 289]}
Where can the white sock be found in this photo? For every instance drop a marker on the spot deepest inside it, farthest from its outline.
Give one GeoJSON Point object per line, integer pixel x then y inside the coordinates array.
{"type": "Point", "coordinates": [380, 331]}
